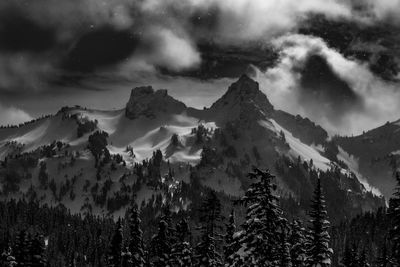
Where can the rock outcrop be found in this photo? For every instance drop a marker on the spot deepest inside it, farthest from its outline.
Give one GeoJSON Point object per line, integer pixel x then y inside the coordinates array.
{"type": "Point", "coordinates": [145, 101]}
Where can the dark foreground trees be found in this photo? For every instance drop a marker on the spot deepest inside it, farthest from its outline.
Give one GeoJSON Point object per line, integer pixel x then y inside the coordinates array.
{"type": "Point", "coordinates": [263, 238]}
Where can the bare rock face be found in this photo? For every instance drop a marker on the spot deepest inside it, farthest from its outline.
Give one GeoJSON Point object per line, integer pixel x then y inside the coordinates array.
{"type": "Point", "coordinates": [243, 100]}
{"type": "Point", "coordinates": [145, 101]}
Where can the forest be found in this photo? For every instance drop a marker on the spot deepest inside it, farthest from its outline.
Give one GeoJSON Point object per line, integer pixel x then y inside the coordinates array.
{"type": "Point", "coordinates": [38, 235]}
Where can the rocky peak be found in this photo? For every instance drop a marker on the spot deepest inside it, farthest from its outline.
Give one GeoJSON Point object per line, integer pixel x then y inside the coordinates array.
{"type": "Point", "coordinates": [243, 97]}
{"type": "Point", "coordinates": [145, 101]}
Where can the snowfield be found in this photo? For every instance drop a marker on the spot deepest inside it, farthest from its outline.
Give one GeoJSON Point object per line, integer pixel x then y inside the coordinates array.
{"type": "Point", "coordinates": [297, 148]}
{"type": "Point", "coordinates": [306, 152]}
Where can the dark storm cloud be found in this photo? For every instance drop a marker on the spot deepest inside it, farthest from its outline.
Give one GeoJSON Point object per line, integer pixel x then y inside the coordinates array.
{"type": "Point", "coordinates": [81, 36]}
{"type": "Point", "coordinates": [99, 48]}
{"type": "Point", "coordinates": [21, 33]}
{"type": "Point", "coordinates": [47, 45]}
{"type": "Point", "coordinates": [320, 84]}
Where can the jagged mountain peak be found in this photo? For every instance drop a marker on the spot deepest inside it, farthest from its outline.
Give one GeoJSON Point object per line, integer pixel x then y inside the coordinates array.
{"type": "Point", "coordinates": [243, 97]}
{"type": "Point", "coordinates": [145, 101]}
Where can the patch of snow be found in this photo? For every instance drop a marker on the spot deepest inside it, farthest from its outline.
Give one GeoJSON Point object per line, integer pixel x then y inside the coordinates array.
{"type": "Point", "coordinates": [352, 163]}
{"type": "Point", "coordinates": [297, 148]}
{"type": "Point", "coordinates": [397, 152]}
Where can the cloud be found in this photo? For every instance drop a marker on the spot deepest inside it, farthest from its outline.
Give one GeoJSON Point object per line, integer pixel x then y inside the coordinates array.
{"type": "Point", "coordinates": [172, 51]}
{"type": "Point", "coordinates": [12, 115]}
{"type": "Point", "coordinates": [45, 43]}
{"type": "Point", "coordinates": [365, 102]}
{"type": "Point", "coordinates": [99, 48]}
{"type": "Point", "coordinates": [90, 35]}
{"type": "Point", "coordinates": [387, 10]}
{"type": "Point", "coordinates": [22, 72]}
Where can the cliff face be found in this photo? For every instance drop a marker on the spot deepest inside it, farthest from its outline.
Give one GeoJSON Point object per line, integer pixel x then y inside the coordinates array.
{"type": "Point", "coordinates": [145, 101]}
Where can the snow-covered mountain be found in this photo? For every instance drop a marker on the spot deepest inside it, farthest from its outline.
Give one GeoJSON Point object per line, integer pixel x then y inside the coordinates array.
{"type": "Point", "coordinates": [66, 159]}
{"type": "Point", "coordinates": [376, 153]}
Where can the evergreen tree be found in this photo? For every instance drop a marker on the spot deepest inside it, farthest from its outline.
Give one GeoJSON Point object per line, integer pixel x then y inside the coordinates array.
{"type": "Point", "coordinates": [362, 259]}
{"type": "Point", "coordinates": [207, 251]}
{"type": "Point", "coordinates": [284, 253]}
{"type": "Point", "coordinates": [297, 244]}
{"type": "Point", "coordinates": [161, 246]}
{"type": "Point", "coordinates": [166, 216]}
{"type": "Point", "coordinates": [126, 259]}
{"type": "Point", "coordinates": [394, 212]}
{"type": "Point", "coordinates": [350, 256]}
{"type": "Point", "coordinates": [7, 259]}
{"type": "Point", "coordinates": [230, 243]}
{"type": "Point", "coordinates": [383, 260]}
{"type": "Point", "coordinates": [35, 251]}
{"type": "Point", "coordinates": [72, 260]}
{"type": "Point", "coordinates": [318, 251]}
{"type": "Point", "coordinates": [21, 249]}
{"type": "Point", "coordinates": [259, 239]}
{"type": "Point", "coordinates": [115, 250]}
{"type": "Point", "coordinates": [182, 253]}
{"type": "Point", "coordinates": [136, 248]}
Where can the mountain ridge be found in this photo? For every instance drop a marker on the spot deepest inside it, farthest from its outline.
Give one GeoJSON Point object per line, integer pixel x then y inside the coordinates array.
{"type": "Point", "coordinates": [217, 145]}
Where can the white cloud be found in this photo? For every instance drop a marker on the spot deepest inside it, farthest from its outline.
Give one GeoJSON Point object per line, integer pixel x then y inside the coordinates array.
{"type": "Point", "coordinates": [174, 52]}
{"type": "Point", "coordinates": [281, 83]}
{"type": "Point", "coordinates": [12, 115]}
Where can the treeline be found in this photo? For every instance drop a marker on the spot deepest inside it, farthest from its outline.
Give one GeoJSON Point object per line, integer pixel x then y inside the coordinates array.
{"type": "Point", "coordinates": [31, 235]}
{"type": "Point", "coordinates": [9, 126]}
{"type": "Point", "coordinates": [265, 238]}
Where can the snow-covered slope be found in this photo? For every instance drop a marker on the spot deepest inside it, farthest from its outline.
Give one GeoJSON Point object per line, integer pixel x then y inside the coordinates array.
{"type": "Point", "coordinates": [375, 152]}
{"type": "Point", "coordinates": [216, 146]}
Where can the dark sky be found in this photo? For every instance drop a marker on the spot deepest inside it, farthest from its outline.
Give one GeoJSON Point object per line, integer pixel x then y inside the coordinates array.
{"type": "Point", "coordinates": [55, 53]}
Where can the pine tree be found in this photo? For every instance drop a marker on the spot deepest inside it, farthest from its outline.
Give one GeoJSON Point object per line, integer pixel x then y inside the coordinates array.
{"type": "Point", "coordinates": [394, 212]}
{"type": "Point", "coordinates": [136, 248]}
{"type": "Point", "coordinates": [284, 253]}
{"type": "Point", "coordinates": [126, 258]}
{"type": "Point", "coordinates": [350, 256]}
{"type": "Point", "coordinates": [21, 248]}
{"type": "Point", "coordinates": [36, 251]}
{"type": "Point", "coordinates": [115, 250]}
{"type": "Point", "coordinates": [182, 253]}
{"type": "Point", "coordinates": [161, 246]}
{"type": "Point", "coordinates": [230, 243]}
{"type": "Point", "coordinates": [297, 244]}
{"type": "Point", "coordinates": [259, 239]}
{"type": "Point", "coordinates": [383, 260]}
{"type": "Point", "coordinates": [7, 259]}
{"type": "Point", "coordinates": [362, 260]}
{"type": "Point", "coordinates": [72, 259]}
{"type": "Point", "coordinates": [207, 251]}
{"type": "Point", "coordinates": [318, 251]}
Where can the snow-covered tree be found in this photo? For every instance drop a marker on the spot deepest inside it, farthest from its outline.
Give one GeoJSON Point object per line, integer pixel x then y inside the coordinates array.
{"type": "Point", "coordinates": [383, 259]}
{"type": "Point", "coordinates": [161, 246]}
{"type": "Point", "coordinates": [21, 248]}
{"type": "Point", "coordinates": [7, 259]}
{"type": "Point", "coordinates": [126, 258]}
{"type": "Point", "coordinates": [136, 248]}
{"type": "Point", "coordinates": [318, 252]}
{"type": "Point", "coordinates": [230, 243]}
{"type": "Point", "coordinates": [259, 240]}
{"type": "Point", "coordinates": [182, 253]}
{"type": "Point", "coordinates": [284, 250]}
{"type": "Point", "coordinates": [36, 251]}
{"type": "Point", "coordinates": [207, 251]}
{"type": "Point", "coordinates": [350, 256]}
{"type": "Point", "coordinates": [297, 242]}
